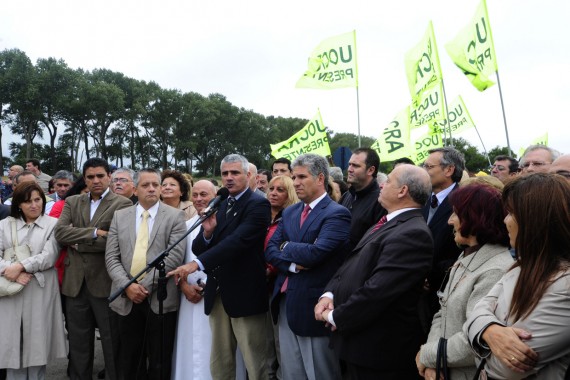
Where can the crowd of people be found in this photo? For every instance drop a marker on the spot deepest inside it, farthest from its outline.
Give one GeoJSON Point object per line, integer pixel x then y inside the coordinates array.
{"type": "Point", "coordinates": [293, 272]}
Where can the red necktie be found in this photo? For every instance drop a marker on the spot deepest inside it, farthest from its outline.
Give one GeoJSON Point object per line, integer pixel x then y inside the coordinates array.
{"type": "Point", "coordinates": [305, 214]}
{"type": "Point", "coordinates": [380, 223]}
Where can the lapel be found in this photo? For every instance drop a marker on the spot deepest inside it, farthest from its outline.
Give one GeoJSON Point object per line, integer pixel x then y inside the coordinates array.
{"type": "Point", "coordinates": [103, 206]}
{"type": "Point", "coordinates": [85, 208]}
{"type": "Point", "coordinates": [442, 210]}
{"type": "Point", "coordinates": [386, 227]}
{"type": "Point", "coordinates": [312, 217]}
{"type": "Point", "coordinates": [131, 223]}
{"type": "Point", "coordinates": [236, 211]}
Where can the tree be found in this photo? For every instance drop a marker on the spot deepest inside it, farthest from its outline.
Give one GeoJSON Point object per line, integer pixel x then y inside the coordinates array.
{"type": "Point", "coordinates": [348, 139]}
{"type": "Point", "coordinates": [474, 160]}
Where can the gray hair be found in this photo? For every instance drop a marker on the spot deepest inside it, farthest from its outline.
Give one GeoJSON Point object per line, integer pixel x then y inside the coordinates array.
{"type": "Point", "coordinates": [137, 176]}
{"type": "Point", "coordinates": [231, 158]}
{"type": "Point", "coordinates": [417, 181]}
{"type": "Point", "coordinates": [315, 165]}
{"type": "Point", "coordinates": [554, 154]}
{"type": "Point", "coordinates": [381, 178]}
{"type": "Point", "coordinates": [336, 173]}
{"type": "Point", "coordinates": [130, 172]}
{"type": "Point", "coordinates": [63, 174]}
{"type": "Point", "coordinates": [452, 157]}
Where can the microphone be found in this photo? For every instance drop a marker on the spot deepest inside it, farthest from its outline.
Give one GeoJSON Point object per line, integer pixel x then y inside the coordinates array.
{"type": "Point", "coordinates": [214, 204]}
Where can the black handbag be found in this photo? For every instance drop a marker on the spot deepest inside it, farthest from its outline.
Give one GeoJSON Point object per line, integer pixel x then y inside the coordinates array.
{"type": "Point", "coordinates": [441, 365]}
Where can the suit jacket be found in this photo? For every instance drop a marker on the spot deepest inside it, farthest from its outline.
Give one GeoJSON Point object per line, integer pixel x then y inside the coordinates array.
{"type": "Point", "coordinates": [4, 211]}
{"type": "Point", "coordinates": [376, 293]}
{"type": "Point", "coordinates": [234, 258]}
{"type": "Point", "coordinates": [85, 255]}
{"type": "Point", "coordinates": [168, 227]}
{"type": "Point", "coordinates": [446, 250]}
{"type": "Point", "coordinates": [318, 245]}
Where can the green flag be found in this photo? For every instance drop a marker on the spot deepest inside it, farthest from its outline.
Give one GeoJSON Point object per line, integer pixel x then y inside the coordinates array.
{"type": "Point", "coordinates": [332, 64]}
{"type": "Point", "coordinates": [459, 117]}
{"type": "Point", "coordinates": [422, 64]}
{"type": "Point", "coordinates": [473, 51]}
{"type": "Point", "coordinates": [394, 142]}
{"type": "Point", "coordinates": [311, 139]}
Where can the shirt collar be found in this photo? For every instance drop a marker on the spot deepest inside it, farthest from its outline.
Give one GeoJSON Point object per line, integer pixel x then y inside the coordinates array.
{"type": "Point", "coordinates": [102, 196]}
{"type": "Point", "coordinates": [152, 211]}
{"type": "Point", "coordinates": [314, 203]}
{"type": "Point", "coordinates": [444, 193]}
{"type": "Point", "coordinates": [394, 214]}
{"type": "Point", "coordinates": [237, 197]}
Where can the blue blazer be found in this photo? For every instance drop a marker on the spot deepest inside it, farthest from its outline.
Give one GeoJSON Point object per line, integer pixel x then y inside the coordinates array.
{"type": "Point", "coordinates": [234, 258]}
{"type": "Point", "coordinates": [318, 245]}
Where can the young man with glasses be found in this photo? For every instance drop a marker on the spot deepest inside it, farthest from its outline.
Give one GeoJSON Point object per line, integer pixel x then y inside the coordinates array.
{"type": "Point", "coordinates": [504, 168]}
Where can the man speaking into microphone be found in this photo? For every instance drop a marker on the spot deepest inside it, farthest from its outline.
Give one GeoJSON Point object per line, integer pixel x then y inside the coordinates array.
{"type": "Point", "coordinates": [229, 248]}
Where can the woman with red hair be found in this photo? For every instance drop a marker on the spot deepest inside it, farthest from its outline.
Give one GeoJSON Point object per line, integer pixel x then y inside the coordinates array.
{"type": "Point", "coordinates": [477, 219]}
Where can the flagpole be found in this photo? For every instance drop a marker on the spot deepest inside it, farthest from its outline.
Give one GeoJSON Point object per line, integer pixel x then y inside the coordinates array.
{"type": "Point", "coordinates": [484, 149]}
{"type": "Point", "coordinates": [358, 115]}
{"type": "Point", "coordinates": [446, 115]}
{"type": "Point", "coordinates": [504, 117]}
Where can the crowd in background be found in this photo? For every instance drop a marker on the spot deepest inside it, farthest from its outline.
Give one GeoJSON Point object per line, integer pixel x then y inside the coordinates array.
{"type": "Point", "coordinates": [293, 272]}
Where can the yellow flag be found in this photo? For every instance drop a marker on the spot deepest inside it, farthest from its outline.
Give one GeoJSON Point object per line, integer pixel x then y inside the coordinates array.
{"type": "Point", "coordinates": [541, 140]}
{"type": "Point", "coordinates": [473, 50]}
{"type": "Point", "coordinates": [428, 106]}
{"type": "Point", "coordinates": [332, 64]}
{"type": "Point", "coordinates": [422, 64]}
{"type": "Point", "coordinates": [459, 117]}
{"type": "Point", "coordinates": [394, 142]}
{"type": "Point", "coordinates": [311, 139]}
{"type": "Point", "coordinates": [423, 141]}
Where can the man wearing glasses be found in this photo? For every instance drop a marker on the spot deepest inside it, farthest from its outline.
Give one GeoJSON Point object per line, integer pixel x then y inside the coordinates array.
{"type": "Point", "coordinates": [504, 168]}
{"type": "Point", "coordinates": [537, 159]}
{"type": "Point", "coordinates": [122, 184]}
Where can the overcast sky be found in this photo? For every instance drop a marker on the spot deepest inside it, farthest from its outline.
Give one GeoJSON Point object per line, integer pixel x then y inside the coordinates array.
{"type": "Point", "coordinates": [253, 52]}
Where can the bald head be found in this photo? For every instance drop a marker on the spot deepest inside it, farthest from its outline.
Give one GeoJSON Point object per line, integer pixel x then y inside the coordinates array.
{"type": "Point", "coordinates": [203, 192]}
{"type": "Point", "coordinates": [406, 186]}
{"type": "Point", "coordinates": [252, 176]}
{"type": "Point", "coordinates": [561, 166]}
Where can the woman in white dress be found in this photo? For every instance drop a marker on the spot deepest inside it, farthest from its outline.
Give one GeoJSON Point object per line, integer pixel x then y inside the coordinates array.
{"type": "Point", "coordinates": [31, 331]}
{"type": "Point", "coordinates": [193, 335]}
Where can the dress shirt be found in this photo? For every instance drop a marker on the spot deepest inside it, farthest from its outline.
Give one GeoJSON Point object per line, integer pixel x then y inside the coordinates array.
{"type": "Point", "coordinates": [152, 216]}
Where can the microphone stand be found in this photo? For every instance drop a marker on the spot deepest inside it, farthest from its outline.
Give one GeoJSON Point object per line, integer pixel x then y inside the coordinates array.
{"type": "Point", "coordinates": [161, 292]}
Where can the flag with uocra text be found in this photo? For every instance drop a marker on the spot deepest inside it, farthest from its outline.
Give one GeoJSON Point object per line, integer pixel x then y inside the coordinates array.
{"type": "Point", "coordinates": [311, 139]}
{"type": "Point", "coordinates": [332, 64]}
{"type": "Point", "coordinates": [473, 50]}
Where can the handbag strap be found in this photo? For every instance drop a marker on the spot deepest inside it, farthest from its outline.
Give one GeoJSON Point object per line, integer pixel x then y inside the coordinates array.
{"type": "Point", "coordinates": [441, 363]}
{"type": "Point", "coordinates": [14, 232]}
{"type": "Point", "coordinates": [479, 369]}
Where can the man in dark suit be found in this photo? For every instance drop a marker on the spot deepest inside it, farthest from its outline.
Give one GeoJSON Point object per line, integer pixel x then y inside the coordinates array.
{"type": "Point", "coordinates": [83, 227]}
{"type": "Point", "coordinates": [307, 248]}
{"type": "Point", "coordinates": [445, 168]}
{"type": "Point", "coordinates": [230, 250]}
{"type": "Point", "coordinates": [371, 301]}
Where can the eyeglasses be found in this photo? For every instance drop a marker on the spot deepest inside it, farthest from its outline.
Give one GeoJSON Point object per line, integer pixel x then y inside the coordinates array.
{"type": "Point", "coordinates": [498, 167]}
{"type": "Point", "coordinates": [429, 167]}
{"type": "Point", "coordinates": [121, 180]}
{"type": "Point", "coordinates": [535, 163]}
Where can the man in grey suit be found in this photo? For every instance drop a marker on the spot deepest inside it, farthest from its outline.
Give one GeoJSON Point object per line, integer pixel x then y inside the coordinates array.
{"type": "Point", "coordinates": [138, 234]}
{"type": "Point", "coordinates": [83, 227]}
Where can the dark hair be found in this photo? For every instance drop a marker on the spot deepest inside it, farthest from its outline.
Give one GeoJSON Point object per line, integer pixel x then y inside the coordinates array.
{"type": "Point", "coordinates": [513, 165]}
{"type": "Point", "coordinates": [96, 162]}
{"type": "Point", "coordinates": [182, 182]}
{"type": "Point", "coordinates": [403, 160]}
{"type": "Point", "coordinates": [540, 205]}
{"type": "Point", "coordinates": [51, 184]}
{"type": "Point", "coordinates": [22, 194]}
{"type": "Point", "coordinates": [76, 188]}
{"type": "Point", "coordinates": [282, 160]}
{"type": "Point", "coordinates": [452, 157]}
{"type": "Point", "coordinates": [372, 159]}
{"type": "Point", "coordinates": [34, 162]}
{"type": "Point", "coordinates": [266, 173]}
{"type": "Point", "coordinates": [481, 213]}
